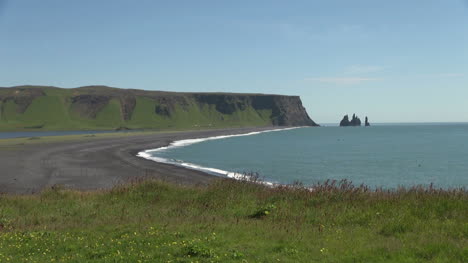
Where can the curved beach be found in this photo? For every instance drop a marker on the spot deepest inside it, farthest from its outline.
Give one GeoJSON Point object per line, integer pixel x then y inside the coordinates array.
{"type": "Point", "coordinates": [98, 163]}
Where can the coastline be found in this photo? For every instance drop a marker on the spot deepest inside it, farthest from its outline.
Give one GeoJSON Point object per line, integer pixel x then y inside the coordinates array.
{"type": "Point", "coordinates": [146, 154]}
{"type": "Point", "coordinates": [100, 163]}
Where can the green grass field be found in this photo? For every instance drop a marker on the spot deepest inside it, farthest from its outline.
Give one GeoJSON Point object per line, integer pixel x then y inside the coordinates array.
{"type": "Point", "coordinates": [232, 221]}
{"type": "Point", "coordinates": [54, 111]}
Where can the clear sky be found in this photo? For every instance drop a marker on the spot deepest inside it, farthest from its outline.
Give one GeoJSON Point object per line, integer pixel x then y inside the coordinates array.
{"type": "Point", "coordinates": [395, 61]}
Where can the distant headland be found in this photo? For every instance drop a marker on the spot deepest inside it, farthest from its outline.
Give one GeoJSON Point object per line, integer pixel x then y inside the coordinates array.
{"type": "Point", "coordinates": [106, 108]}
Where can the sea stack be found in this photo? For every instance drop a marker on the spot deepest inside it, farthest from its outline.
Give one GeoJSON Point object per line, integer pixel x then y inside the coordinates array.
{"type": "Point", "coordinates": [367, 122]}
{"type": "Point", "coordinates": [355, 121]}
{"type": "Point", "coordinates": [344, 121]}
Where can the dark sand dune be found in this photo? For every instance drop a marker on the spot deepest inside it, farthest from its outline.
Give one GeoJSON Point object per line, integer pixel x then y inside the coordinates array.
{"type": "Point", "coordinates": [96, 164]}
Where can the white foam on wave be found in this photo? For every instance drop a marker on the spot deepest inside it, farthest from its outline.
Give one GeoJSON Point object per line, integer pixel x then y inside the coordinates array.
{"type": "Point", "coordinates": [182, 143]}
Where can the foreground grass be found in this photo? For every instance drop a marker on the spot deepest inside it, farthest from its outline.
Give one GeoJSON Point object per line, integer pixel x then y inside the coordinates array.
{"type": "Point", "coordinates": [235, 222]}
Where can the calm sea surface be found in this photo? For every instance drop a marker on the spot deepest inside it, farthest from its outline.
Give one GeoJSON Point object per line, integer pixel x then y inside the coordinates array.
{"type": "Point", "coordinates": [387, 155]}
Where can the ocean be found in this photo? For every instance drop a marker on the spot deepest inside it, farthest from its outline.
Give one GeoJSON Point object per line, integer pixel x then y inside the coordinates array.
{"type": "Point", "coordinates": [385, 156]}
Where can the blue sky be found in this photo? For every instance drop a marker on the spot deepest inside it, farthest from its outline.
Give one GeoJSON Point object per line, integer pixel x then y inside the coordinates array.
{"type": "Point", "coordinates": [395, 61]}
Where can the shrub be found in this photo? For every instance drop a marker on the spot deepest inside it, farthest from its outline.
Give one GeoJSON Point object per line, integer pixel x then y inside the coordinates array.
{"type": "Point", "coordinates": [264, 211]}
{"type": "Point", "coordinates": [199, 250]}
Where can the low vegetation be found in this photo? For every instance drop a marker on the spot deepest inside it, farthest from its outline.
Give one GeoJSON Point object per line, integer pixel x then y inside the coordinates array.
{"type": "Point", "coordinates": [235, 221]}
{"type": "Point", "coordinates": [37, 108]}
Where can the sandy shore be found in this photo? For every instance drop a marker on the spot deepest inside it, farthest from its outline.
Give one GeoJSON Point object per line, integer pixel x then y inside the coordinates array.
{"type": "Point", "coordinates": [96, 164]}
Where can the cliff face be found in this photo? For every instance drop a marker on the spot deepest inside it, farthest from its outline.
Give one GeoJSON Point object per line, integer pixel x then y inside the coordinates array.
{"type": "Point", "coordinates": [100, 107]}
{"type": "Point", "coordinates": [285, 110]}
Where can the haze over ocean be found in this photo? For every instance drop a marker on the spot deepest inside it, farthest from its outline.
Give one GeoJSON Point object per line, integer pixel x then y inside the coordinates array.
{"type": "Point", "coordinates": [379, 156]}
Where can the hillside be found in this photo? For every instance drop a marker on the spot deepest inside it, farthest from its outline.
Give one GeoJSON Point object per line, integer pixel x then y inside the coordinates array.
{"type": "Point", "coordinates": [104, 108]}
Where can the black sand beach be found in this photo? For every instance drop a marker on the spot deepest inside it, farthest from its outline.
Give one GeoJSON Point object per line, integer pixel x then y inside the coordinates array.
{"type": "Point", "coordinates": [98, 163]}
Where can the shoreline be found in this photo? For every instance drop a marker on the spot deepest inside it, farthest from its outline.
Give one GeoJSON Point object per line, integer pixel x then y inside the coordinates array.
{"type": "Point", "coordinates": [100, 163]}
{"type": "Point", "coordinates": [146, 154]}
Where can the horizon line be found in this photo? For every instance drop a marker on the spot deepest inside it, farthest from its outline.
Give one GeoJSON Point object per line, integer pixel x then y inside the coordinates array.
{"type": "Point", "coordinates": [411, 122]}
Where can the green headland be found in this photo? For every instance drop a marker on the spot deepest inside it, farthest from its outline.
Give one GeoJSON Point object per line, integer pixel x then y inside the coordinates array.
{"type": "Point", "coordinates": [105, 108]}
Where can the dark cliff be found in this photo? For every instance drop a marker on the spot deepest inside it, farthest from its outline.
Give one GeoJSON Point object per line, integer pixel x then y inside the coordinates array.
{"type": "Point", "coordinates": [100, 107]}
{"type": "Point", "coordinates": [285, 110]}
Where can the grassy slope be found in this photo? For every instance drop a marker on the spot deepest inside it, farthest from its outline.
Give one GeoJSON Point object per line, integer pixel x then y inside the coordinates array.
{"type": "Point", "coordinates": [53, 112]}
{"type": "Point", "coordinates": [234, 222]}
{"type": "Point", "coordinates": [194, 117]}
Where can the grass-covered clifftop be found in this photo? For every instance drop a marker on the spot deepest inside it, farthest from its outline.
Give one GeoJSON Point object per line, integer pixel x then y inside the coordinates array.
{"type": "Point", "coordinates": [232, 221]}
{"type": "Point", "coordinates": [104, 108]}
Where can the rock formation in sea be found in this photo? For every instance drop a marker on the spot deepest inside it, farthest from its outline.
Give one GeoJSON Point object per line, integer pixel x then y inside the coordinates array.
{"type": "Point", "coordinates": [367, 122]}
{"type": "Point", "coordinates": [355, 121]}
{"type": "Point", "coordinates": [344, 121]}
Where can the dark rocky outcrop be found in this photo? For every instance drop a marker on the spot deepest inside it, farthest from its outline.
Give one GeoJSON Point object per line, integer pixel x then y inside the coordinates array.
{"type": "Point", "coordinates": [166, 105]}
{"type": "Point", "coordinates": [286, 110]}
{"type": "Point", "coordinates": [367, 122]}
{"type": "Point", "coordinates": [345, 121]}
{"type": "Point", "coordinates": [355, 121]}
{"type": "Point", "coordinates": [163, 110]}
{"type": "Point", "coordinates": [226, 104]}
{"type": "Point", "coordinates": [89, 105]}
{"type": "Point", "coordinates": [22, 97]}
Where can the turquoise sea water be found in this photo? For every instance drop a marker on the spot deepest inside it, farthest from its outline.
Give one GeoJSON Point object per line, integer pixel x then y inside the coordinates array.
{"type": "Point", "coordinates": [387, 155]}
